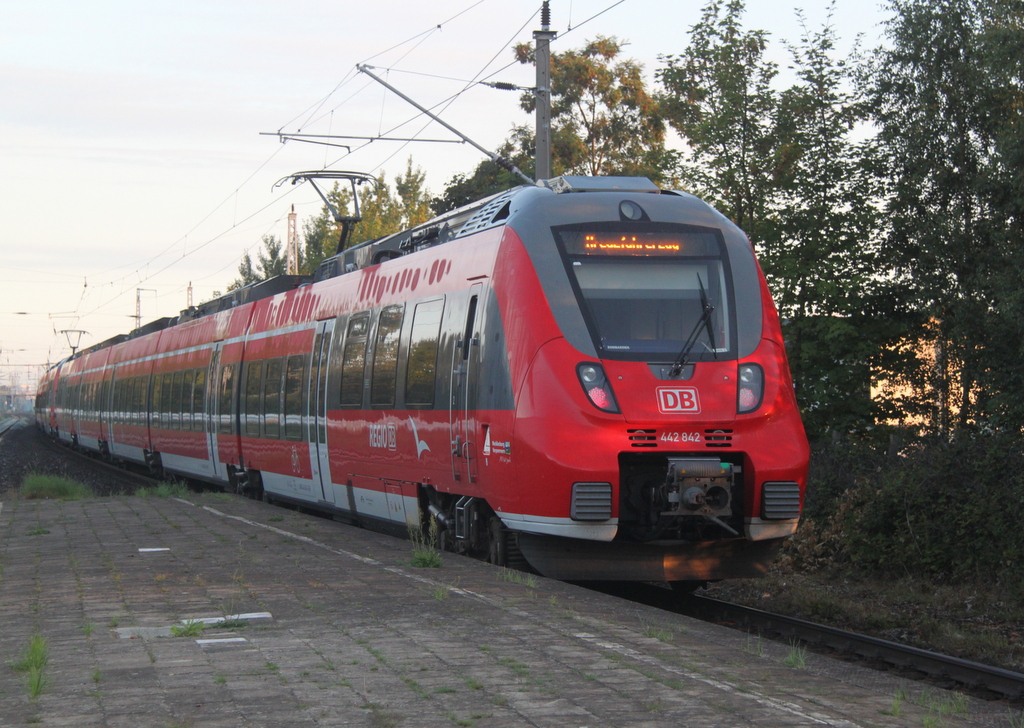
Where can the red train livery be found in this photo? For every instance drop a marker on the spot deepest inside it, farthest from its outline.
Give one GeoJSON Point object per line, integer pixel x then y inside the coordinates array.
{"type": "Point", "coordinates": [588, 374]}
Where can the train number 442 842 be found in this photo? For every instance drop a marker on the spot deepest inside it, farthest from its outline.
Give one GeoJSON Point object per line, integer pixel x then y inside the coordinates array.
{"type": "Point", "coordinates": [680, 437]}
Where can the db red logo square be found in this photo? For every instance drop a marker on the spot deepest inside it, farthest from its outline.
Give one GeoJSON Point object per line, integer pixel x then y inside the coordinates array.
{"type": "Point", "coordinates": [678, 401]}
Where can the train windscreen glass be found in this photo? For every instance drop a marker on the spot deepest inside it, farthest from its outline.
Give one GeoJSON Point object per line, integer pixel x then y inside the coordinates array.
{"type": "Point", "coordinates": [644, 293]}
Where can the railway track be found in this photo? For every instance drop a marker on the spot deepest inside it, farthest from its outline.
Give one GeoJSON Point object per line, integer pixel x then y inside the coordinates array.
{"type": "Point", "coordinates": [984, 681]}
{"type": "Point", "coordinates": [8, 424]}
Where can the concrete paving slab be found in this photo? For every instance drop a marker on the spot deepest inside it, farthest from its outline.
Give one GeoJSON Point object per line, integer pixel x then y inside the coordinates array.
{"type": "Point", "coordinates": [350, 634]}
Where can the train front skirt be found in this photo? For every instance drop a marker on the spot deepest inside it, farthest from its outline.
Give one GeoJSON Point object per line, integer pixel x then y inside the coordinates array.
{"type": "Point", "coordinates": [576, 560]}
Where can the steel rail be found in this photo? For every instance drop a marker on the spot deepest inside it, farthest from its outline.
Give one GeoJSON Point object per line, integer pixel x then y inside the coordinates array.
{"type": "Point", "coordinates": [973, 674]}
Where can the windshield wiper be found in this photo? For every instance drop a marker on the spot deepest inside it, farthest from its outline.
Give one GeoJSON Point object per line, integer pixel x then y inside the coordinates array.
{"type": "Point", "coordinates": [705, 320]}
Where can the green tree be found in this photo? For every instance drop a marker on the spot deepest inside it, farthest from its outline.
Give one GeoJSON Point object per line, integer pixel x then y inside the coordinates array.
{"type": "Point", "coordinates": [603, 120]}
{"type": "Point", "coordinates": [718, 96]}
{"type": "Point", "coordinates": [948, 133]}
{"type": "Point", "coordinates": [383, 210]}
{"type": "Point", "coordinates": [820, 248]}
{"type": "Point", "coordinates": [270, 262]}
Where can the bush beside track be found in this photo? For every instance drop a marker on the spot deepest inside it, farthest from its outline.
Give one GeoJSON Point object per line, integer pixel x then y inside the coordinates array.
{"type": "Point", "coordinates": [949, 511]}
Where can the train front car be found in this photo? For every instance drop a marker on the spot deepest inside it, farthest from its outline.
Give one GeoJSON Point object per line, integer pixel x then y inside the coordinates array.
{"type": "Point", "coordinates": [656, 435]}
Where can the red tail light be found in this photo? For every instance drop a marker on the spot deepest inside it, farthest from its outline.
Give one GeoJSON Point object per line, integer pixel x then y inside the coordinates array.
{"type": "Point", "coordinates": [597, 387]}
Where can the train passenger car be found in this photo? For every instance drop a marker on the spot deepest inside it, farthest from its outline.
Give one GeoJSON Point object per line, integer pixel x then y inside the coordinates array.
{"type": "Point", "coordinates": [588, 374]}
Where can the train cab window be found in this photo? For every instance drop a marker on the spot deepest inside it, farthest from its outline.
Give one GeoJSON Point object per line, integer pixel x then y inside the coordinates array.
{"type": "Point", "coordinates": [199, 401]}
{"type": "Point", "coordinates": [644, 291]}
{"type": "Point", "coordinates": [272, 399]}
{"type": "Point", "coordinates": [251, 398]}
{"type": "Point", "coordinates": [226, 400]}
{"type": "Point", "coordinates": [385, 356]}
{"type": "Point", "coordinates": [354, 361]}
{"type": "Point", "coordinates": [295, 376]}
{"type": "Point", "coordinates": [186, 399]}
{"type": "Point", "coordinates": [426, 330]}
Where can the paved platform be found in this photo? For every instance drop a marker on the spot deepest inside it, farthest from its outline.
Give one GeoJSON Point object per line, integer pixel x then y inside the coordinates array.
{"type": "Point", "coordinates": [338, 629]}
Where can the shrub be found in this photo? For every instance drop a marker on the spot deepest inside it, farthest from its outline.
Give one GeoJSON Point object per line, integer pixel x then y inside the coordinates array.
{"type": "Point", "coordinates": [945, 510]}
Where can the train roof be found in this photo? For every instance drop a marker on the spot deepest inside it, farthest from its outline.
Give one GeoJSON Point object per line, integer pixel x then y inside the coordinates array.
{"type": "Point", "coordinates": [480, 215]}
{"type": "Point", "coordinates": [474, 217]}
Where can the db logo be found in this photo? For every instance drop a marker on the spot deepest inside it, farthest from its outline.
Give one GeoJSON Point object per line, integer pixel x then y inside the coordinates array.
{"type": "Point", "coordinates": [678, 400]}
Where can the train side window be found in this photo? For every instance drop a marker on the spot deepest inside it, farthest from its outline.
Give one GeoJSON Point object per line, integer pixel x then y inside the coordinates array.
{"type": "Point", "coordinates": [199, 401]}
{"type": "Point", "coordinates": [354, 360]}
{"type": "Point", "coordinates": [105, 397]}
{"type": "Point", "coordinates": [426, 330]}
{"type": "Point", "coordinates": [176, 401]}
{"type": "Point", "coordinates": [295, 376]}
{"type": "Point", "coordinates": [226, 401]}
{"type": "Point", "coordinates": [253, 374]}
{"type": "Point", "coordinates": [186, 399]}
{"type": "Point", "coordinates": [385, 356]}
{"type": "Point", "coordinates": [166, 392]}
{"type": "Point", "coordinates": [139, 400]}
{"type": "Point", "coordinates": [272, 399]}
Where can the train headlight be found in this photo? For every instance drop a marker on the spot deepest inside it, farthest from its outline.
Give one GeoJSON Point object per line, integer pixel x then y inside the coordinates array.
{"type": "Point", "coordinates": [597, 387]}
{"type": "Point", "coordinates": [751, 388]}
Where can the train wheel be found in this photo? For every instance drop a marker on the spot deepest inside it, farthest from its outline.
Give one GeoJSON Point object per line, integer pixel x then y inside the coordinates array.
{"type": "Point", "coordinates": [497, 542]}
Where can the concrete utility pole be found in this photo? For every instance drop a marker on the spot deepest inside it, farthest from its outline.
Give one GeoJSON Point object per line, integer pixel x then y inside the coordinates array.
{"type": "Point", "coordinates": [292, 251]}
{"type": "Point", "coordinates": [542, 40]}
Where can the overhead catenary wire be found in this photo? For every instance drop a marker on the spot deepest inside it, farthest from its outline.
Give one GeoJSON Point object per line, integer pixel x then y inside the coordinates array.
{"type": "Point", "coordinates": [140, 274]}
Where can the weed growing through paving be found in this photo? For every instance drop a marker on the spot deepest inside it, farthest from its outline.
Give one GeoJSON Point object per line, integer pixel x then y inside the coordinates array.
{"type": "Point", "coordinates": [755, 647]}
{"type": "Point", "coordinates": [425, 553]}
{"type": "Point", "coordinates": [1015, 719]}
{"type": "Point", "coordinates": [87, 629]}
{"type": "Point", "coordinates": [473, 684]}
{"type": "Point", "coordinates": [38, 531]}
{"type": "Point", "coordinates": [896, 709]}
{"type": "Point", "coordinates": [942, 703]}
{"type": "Point", "coordinates": [797, 657]}
{"type": "Point", "coordinates": [164, 490]}
{"type": "Point", "coordinates": [517, 577]}
{"type": "Point", "coordinates": [97, 676]}
{"type": "Point", "coordinates": [37, 485]}
{"type": "Point", "coordinates": [33, 662]}
{"type": "Point", "coordinates": [188, 628]}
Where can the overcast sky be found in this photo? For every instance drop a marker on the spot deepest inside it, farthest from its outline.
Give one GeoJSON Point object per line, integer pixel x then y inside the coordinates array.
{"type": "Point", "coordinates": [130, 147]}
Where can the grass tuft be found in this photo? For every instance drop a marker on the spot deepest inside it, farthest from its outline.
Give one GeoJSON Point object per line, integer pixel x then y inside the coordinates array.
{"type": "Point", "coordinates": [32, 662]}
{"type": "Point", "coordinates": [797, 657]}
{"type": "Point", "coordinates": [164, 490]}
{"type": "Point", "coordinates": [188, 628]}
{"type": "Point", "coordinates": [38, 486]}
{"type": "Point", "coordinates": [425, 553]}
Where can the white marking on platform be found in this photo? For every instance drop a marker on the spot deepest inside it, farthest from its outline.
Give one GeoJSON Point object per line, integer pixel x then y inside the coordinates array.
{"type": "Point", "coordinates": [151, 551]}
{"type": "Point", "coordinates": [231, 618]}
{"type": "Point", "coordinates": [219, 641]}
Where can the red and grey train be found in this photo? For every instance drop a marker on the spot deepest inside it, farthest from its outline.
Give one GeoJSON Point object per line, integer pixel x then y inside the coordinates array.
{"type": "Point", "coordinates": [588, 374]}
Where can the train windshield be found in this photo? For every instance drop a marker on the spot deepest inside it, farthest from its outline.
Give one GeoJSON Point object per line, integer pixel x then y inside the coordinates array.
{"type": "Point", "coordinates": [644, 292]}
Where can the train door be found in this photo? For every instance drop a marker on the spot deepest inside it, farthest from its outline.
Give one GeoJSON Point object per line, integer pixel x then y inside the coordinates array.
{"type": "Point", "coordinates": [212, 407]}
{"type": "Point", "coordinates": [318, 456]}
{"type": "Point", "coordinates": [464, 366]}
{"type": "Point", "coordinates": [110, 403]}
